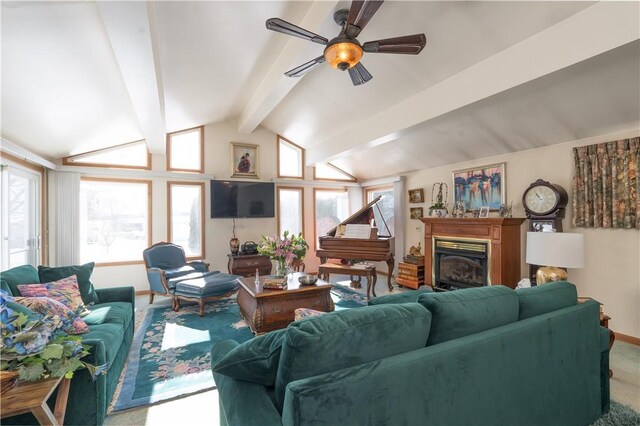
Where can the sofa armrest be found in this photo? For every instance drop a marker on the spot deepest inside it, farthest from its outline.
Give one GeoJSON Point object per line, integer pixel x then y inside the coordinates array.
{"type": "Point", "coordinates": [242, 403]}
{"type": "Point", "coordinates": [199, 265]}
{"type": "Point", "coordinates": [117, 294]}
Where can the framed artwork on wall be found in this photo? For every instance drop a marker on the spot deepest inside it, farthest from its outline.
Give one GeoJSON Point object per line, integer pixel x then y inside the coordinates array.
{"type": "Point", "coordinates": [416, 212]}
{"type": "Point", "coordinates": [480, 186]}
{"type": "Point", "coordinates": [244, 160]}
{"type": "Point", "coordinates": [416, 195]}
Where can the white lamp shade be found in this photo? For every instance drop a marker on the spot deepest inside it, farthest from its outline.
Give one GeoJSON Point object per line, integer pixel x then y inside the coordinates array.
{"type": "Point", "coordinates": [563, 250]}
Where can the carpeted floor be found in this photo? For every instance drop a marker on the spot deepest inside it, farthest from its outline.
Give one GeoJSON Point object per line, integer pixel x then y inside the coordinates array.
{"type": "Point", "coordinates": [170, 354]}
{"type": "Point", "coordinates": [619, 415]}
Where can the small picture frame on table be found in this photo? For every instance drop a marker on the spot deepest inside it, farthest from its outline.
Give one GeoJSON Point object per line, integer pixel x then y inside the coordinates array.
{"type": "Point", "coordinates": [484, 212]}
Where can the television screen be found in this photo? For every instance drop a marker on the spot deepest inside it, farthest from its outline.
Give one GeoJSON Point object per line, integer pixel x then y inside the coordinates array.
{"type": "Point", "coordinates": [242, 199]}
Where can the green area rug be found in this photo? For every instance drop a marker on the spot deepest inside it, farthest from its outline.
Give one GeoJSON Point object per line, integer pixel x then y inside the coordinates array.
{"type": "Point", "coordinates": [171, 352]}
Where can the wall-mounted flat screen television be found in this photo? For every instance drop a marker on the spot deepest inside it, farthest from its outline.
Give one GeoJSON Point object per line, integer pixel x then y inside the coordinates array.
{"type": "Point", "coordinates": [242, 199]}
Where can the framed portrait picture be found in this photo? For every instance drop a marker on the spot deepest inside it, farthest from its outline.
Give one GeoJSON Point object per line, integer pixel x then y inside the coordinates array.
{"type": "Point", "coordinates": [480, 186]}
{"type": "Point", "coordinates": [244, 160]}
{"type": "Point", "coordinates": [416, 212]}
{"type": "Point", "coordinates": [416, 195]}
{"type": "Point", "coordinates": [484, 211]}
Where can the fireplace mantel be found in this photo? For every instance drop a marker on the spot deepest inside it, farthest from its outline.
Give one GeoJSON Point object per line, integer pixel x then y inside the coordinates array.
{"type": "Point", "coordinates": [502, 233]}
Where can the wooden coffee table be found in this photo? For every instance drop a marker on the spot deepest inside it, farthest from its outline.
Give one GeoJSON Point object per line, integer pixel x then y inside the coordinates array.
{"type": "Point", "coordinates": [265, 310]}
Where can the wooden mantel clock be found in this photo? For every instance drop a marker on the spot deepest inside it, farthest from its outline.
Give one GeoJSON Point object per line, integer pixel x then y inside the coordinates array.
{"type": "Point", "coordinates": [544, 204]}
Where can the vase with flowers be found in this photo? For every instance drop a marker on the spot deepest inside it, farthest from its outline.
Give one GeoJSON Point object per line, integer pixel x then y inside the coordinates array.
{"type": "Point", "coordinates": [283, 250]}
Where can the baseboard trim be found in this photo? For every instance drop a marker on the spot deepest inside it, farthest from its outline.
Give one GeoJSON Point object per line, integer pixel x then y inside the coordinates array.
{"type": "Point", "coordinates": [629, 339]}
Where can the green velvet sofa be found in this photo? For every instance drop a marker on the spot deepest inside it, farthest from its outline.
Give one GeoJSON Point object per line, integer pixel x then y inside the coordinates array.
{"type": "Point", "coordinates": [488, 355]}
{"type": "Point", "coordinates": [111, 324]}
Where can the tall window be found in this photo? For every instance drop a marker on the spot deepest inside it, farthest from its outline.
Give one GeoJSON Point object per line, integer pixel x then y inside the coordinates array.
{"type": "Point", "coordinates": [21, 216]}
{"type": "Point", "coordinates": [385, 206]}
{"type": "Point", "coordinates": [290, 159]}
{"type": "Point", "coordinates": [327, 171]}
{"type": "Point", "coordinates": [186, 216]}
{"type": "Point", "coordinates": [290, 209]}
{"type": "Point", "coordinates": [331, 207]}
{"type": "Point", "coordinates": [115, 220]}
{"type": "Point", "coordinates": [185, 150]}
{"type": "Point", "coordinates": [133, 155]}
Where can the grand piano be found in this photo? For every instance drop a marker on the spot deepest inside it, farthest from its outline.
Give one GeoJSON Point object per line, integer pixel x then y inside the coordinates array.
{"type": "Point", "coordinates": [378, 249]}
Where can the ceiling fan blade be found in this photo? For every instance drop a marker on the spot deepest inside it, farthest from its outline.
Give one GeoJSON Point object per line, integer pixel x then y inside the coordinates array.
{"type": "Point", "coordinates": [305, 68]}
{"type": "Point", "coordinates": [359, 74]}
{"type": "Point", "coordinates": [410, 45]}
{"type": "Point", "coordinates": [359, 15]}
{"type": "Point", "coordinates": [278, 25]}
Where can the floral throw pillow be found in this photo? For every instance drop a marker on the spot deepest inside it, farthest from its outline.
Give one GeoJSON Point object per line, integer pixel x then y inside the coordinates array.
{"type": "Point", "coordinates": [65, 291]}
{"type": "Point", "coordinates": [72, 323]}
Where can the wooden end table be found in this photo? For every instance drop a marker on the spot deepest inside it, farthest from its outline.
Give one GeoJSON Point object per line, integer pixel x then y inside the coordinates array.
{"type": "Point", "coordinates": [265, 310]}
{"type": "Point", "coordinates": [32, 397]}
{"type": "Point", "coordinates": [326, 269]}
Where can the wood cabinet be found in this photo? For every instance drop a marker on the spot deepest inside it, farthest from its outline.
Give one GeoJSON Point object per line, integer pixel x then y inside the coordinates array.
{"type": "Point", "coordinates": [247, 264]}
{"type": "Point", "coordinates": [410, 275]}
{"type": "Point", "coordinates": [502, 235]}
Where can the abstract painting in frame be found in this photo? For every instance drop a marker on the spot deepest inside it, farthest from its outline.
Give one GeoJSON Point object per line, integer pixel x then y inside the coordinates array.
{"type": "Point", "coordinates": [244, 160]}
{"type": "Point", "coordinates": [480, 186]}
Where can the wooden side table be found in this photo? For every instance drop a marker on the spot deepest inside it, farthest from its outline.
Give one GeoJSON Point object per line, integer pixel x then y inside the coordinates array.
{"type": "Point", "coordinates": [32, 397]}
{"type": "Point", "coordinates": [246, 264]}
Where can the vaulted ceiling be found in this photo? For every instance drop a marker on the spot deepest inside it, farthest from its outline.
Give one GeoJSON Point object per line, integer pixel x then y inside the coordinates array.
{"type": "Point", "coordinates": [495, 77]}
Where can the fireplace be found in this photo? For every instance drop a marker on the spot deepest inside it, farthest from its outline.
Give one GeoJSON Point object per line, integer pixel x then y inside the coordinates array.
{"type": "Point", "coordinates": [460, 263]}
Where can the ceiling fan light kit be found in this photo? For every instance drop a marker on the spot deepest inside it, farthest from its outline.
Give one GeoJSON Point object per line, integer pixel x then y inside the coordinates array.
{"type": "Point", "coordinates": [344, 52]}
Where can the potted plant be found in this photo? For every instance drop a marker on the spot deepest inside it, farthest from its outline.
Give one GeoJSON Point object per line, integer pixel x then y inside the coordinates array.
{"type": "Point", "coordinates": [283, 250]}
{"type": "Point", "coordinates": [39, 349]}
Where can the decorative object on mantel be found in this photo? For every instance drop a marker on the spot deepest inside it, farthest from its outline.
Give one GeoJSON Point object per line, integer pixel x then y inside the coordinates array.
{"type": "Point", "coordinates": [416, 212]}
{"type": "Point", "coordinates": [506, 211]}
{"type": "Point", "coordinates": [480, 186]}
{"type": "Point", "coordinates": [244, 160]}
{"type": "Point", "coordinates": [483, 212]}
{"type": "Point", "coordinates": [283, 250]}
{"type": "Point", "coordinates": [416, 195]}
{"type": "Point", "coordinates": [554, 250]}
{"type": "Point", "coordinates": [606, 185]}
{"type": "Point", "coordinates": [459, 210]}
{"type": "Point", "coordinates": [439, 208]}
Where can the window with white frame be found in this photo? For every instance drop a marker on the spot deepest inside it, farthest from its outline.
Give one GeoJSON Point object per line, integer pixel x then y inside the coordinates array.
{"type": "Point", "coordinates": [290, 209]}
{"type": "Point", "coordinates": [133, 155]}
{"type": "Point", "coordinates": [186, 216]}
{"type": "Point", "coordinates": [115, 220]}
{"type": "Point", "coordinates": [383, 213]}
{"type": "Point", "coordinates": [185, 150]}
{"type": "Point", "coordinates": [290, 159]}
{"type": "Point", "coordinates": [331, 207]}
{"type": "Point", "coordinates": [327, 171]}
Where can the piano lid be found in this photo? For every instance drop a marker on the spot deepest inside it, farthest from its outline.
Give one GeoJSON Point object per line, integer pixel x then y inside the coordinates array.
{"type": "Point", "coordinates": [363, 216]}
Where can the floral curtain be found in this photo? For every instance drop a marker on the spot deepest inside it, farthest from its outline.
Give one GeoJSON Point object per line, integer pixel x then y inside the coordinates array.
{"type": "Point", "coordinates": [606, 185]}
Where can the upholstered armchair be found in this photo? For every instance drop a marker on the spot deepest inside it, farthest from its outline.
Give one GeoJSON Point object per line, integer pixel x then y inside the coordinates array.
{"type": "Point", "coordinates": [166, 265]}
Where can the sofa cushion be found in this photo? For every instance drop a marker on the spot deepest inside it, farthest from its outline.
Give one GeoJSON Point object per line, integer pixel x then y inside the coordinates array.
{"type": "Point", "coordinates": [82, 272]}
{"type": "Point", "coordinates": [468, 311]}
{"type": "Point", "coordinates": [347, 338]}
{"type": "Point", "coordinates": [254, 361]}
{"type": "Point", "coordinates": [546, 298]}
{"type": "Point", "coordinates": [111, 334]}
{"type": "Point", "coordinates": [25, 274]}
{"type": "Point", "coordinates": [64, 291]}
{"type": "Point", "coordinates": [110, 313]}
{"type": "Point", "coordinates": [403, 297]}
{"type": "Point", "coordinates": [73, 323]}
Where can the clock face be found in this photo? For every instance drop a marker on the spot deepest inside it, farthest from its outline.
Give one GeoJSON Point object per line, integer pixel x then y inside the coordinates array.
{"type": "Point", "coordinates": [540, 199]}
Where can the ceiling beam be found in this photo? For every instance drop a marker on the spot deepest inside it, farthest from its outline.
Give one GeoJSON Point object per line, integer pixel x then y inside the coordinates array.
{"type": "Point", "coordinates": [275, 85]}
{"type": "Point", "coordinates": [131, 28]}
{"type": "Point", "coordinates": [590, 32]}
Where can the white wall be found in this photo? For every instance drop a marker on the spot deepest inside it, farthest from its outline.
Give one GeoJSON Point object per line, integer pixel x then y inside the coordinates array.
{"type": "Point", "coordinates": [612, 274]}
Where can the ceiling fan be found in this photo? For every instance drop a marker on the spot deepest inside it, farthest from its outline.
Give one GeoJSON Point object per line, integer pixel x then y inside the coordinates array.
{"type": "Point", "coordinates": [345, 51]}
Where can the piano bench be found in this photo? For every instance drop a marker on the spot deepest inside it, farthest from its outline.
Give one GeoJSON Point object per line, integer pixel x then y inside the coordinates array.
{"type": "Point", "coordinates": [326, 269]}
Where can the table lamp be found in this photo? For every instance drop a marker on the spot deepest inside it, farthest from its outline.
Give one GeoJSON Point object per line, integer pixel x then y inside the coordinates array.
{"type": "Point", "coordinates": [553, 251]}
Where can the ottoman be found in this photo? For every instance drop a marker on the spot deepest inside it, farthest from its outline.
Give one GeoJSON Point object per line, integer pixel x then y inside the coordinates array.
{"type": "Point", "coordinates": [208, 286]}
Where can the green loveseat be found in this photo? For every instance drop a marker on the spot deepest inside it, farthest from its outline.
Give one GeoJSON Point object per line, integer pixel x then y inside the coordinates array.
{"type": "Point", "coordinates": [111, 324]}
{"type": "Point", "coordinates": [489, 355]}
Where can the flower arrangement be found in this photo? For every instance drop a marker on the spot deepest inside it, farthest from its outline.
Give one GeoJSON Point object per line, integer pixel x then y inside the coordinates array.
{"type": "Point", "coordinates": [283, 249]}
{"type": "Point", "coordinates": [40, 349]}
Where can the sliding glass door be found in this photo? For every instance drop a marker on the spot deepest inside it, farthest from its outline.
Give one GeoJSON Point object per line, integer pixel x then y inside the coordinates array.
{"type": "Point", "coordinates": [20, 230]}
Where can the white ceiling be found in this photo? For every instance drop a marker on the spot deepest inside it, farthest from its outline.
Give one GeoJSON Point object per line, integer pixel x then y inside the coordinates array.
{"type": "Point", "coordinates": [495, 77]}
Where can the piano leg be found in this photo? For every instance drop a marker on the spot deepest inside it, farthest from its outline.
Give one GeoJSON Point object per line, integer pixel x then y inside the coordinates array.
{"type": "Point", "coordinates": [390, 265]}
